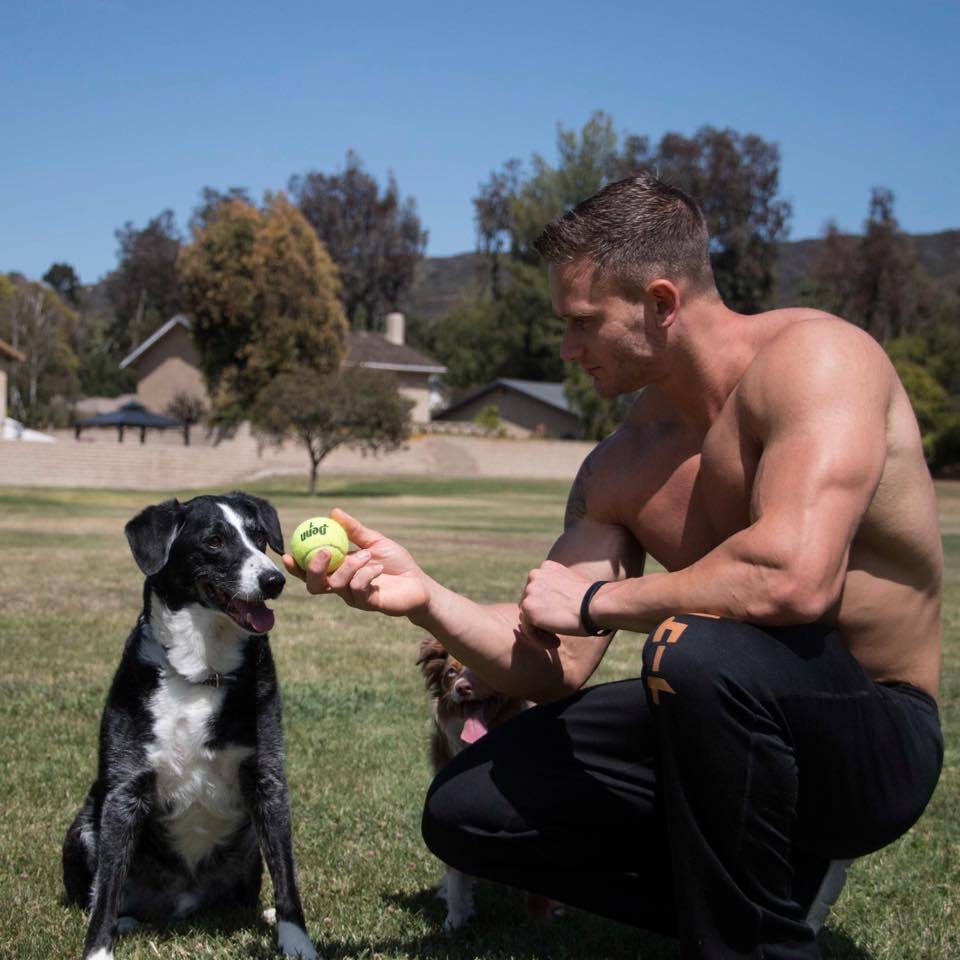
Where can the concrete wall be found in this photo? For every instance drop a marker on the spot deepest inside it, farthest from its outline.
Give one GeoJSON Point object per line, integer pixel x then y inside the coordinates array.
{"type": "Point", "coordinates": [102, 462]}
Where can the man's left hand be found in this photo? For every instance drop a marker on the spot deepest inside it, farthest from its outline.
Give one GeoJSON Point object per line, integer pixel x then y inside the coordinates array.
{"type": "Point", "coordinates": [551, 599]}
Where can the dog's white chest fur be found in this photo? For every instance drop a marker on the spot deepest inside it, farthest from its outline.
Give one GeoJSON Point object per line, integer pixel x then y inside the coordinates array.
{"type": "Point", "coordinates": [197, 786]}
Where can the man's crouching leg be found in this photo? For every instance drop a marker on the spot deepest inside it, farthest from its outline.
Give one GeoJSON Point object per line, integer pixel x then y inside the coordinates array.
{"type": "Point", "coordinates": [561, 801]}
{"type": "Point", "coordinates": [729, 785]}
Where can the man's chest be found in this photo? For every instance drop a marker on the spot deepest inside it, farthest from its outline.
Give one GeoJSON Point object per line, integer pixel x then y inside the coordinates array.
{"type": "Point", "coordinates": [692, 492]}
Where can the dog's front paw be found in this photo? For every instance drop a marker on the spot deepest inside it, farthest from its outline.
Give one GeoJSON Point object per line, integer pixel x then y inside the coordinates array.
{"type": "Point", "coordinates": [292, 941]}
{"type": "Point", "coordinates": [457, 919]}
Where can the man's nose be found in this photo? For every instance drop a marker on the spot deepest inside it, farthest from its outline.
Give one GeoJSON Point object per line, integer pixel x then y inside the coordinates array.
{"type": "Point", "coordinates": [570, 349]}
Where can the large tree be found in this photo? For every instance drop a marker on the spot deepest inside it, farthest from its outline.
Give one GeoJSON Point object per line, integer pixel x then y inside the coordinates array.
{"type": "Point", "coordinates": [873, 280]}
{"type": "Point", "coordinates": [64, 280]}
{"type": "Point", "coordinates": [35, 321]}
{"type": "Point", "coordinates": [143, 289]}
{"type": "Point", "coordinates": [361, 409]}
{"type": "Point", "coordinates": [374, 237]}
{"type": "Point", "coordinates": [734, 176]}
{"type": "Point", "coordinates": [263, 295]}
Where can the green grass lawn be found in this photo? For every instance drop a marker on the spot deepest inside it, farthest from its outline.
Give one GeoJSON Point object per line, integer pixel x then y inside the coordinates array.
{"type": "Point", "coordinates": [356, 721]}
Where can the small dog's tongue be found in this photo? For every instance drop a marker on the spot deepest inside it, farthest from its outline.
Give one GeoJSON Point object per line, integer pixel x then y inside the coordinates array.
{"type": "Point", "coordinates": [253, 614]}
{"type": "Point", "coordinates": [474, 726]}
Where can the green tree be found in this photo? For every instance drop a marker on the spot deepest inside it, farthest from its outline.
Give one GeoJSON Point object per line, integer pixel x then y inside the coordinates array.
{"type": "Point", "coordinates": [374, 237]}
{"type": "Point", "coordinates": [509, 328]}
{"type": "Point", "coordinates": [35, 321]}
{"type": "Point", "coordinates": [874, 280]}
{"type": "Point", "coordinates": [143, 289]}
{"type": "Point", "coordinates": [262, 292]}
{"type": "Point", "coordinates": [189, 409]}
{"type": "Point", "coordinates": [64, 280]}
{"type": "Point", "coordinates": [359, 408]}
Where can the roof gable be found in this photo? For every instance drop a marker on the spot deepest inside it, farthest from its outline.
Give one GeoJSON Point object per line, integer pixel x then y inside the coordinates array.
{"type": "Point", "coordinates": [364, 349]}
{"type": "Point", "coordinates": [550, 394]}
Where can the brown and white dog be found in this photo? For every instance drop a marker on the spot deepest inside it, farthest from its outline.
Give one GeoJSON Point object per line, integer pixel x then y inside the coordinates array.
{"type": "Point", "coordinates": [464, 710]}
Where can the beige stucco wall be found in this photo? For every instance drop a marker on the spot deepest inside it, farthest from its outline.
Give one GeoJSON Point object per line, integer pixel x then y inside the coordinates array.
{"type": "Point", "coordinates": [521, 415]}
{"type": "Point", "coordinates": [414, 387]}
{"type": "Point", "coordinates": [170, 366]}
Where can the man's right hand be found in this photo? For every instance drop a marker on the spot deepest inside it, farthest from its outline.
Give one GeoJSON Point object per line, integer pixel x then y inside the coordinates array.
{"type": "Point", "coordinates": [380, 576]}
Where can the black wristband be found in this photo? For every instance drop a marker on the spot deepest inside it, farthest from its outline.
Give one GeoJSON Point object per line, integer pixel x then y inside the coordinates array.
{"type": "Point", "coordinates": [586, 621]}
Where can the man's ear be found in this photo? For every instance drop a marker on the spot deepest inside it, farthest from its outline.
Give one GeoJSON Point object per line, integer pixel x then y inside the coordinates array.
{"type": "Point", "coordinates": [267, 517]}
{"type": "Point", "coordinates": [666, 300]}
{"type": "Point", "coordinates": [151, 534]}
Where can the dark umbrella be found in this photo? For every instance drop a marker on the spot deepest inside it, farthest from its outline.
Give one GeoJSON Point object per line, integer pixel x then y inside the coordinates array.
{"type": "Point", "coordinates": [131, 414]}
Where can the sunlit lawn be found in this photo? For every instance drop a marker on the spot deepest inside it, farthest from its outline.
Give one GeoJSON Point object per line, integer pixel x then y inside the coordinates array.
{"type": "Point", "coordinates": [356, 723]}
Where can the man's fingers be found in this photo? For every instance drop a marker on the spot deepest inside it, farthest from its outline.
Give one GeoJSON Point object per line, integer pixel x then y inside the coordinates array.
{"type": "Point", "coordinates": [359, 534]}
{"type": "Point", "coordinates": [342, 576]}
{"type": "Point", "coordinates": [292, 567]}
{"type": "Point", "coordinates": [543, 637]}
{"type": "Point", "coordinates": [365, 576]}
{"type": "Point", "coordinates": [317, 572]}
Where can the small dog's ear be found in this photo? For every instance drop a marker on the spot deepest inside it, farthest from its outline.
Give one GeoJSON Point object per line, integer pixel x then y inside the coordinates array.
{"type": "Point", "coordinates": [151, 534]}
{"type": "Point", "coordinates": [267, 517]}
{"type": "Point", "coordinates": [430, 649]}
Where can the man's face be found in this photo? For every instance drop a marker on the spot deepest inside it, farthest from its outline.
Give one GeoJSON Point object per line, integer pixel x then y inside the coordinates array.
{"type": "Point", "coordinates": [605, 333]}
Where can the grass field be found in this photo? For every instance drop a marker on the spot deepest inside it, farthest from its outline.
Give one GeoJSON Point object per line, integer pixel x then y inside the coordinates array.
{"type": "Point", "coordinates": [356, 723]}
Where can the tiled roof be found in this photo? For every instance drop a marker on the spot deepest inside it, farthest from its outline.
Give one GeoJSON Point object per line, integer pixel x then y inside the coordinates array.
{"type": "Point", "coordinates": [367, 349]}
{"type": "Point", "coordinates": [549, 393]}
{"type": "Point", "coordinates": [364, 349]}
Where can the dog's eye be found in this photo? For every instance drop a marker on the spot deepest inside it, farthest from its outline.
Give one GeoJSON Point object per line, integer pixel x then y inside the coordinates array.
{"type": "Point", "coordinates": [260, 542]}
{"type": "Point", "coordinates": [452, 672]}
{"type": "Point", "coordinates": [213, 543]}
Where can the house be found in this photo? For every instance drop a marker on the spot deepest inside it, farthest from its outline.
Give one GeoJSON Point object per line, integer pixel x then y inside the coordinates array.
{"type": "Point", "coordinates": [167, 363]}
{"type": "Point", "coordinates": [7, 354]}
{"type": "Point", "coordinates": [526, 408]}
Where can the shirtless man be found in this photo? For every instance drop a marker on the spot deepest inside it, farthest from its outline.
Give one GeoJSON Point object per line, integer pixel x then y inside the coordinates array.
{"type": "Point", "coordinates": [785, 714]}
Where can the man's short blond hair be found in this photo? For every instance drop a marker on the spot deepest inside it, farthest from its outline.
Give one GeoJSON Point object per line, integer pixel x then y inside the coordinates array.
{"type": "Point", "coordinates": [634, 231]}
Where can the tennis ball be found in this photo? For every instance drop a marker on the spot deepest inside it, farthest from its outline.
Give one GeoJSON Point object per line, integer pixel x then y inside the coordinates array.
{"type": "Point", "coordinates": [319, 533]}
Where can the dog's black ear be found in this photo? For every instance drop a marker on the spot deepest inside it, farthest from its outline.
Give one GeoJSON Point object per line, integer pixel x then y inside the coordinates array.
{"type": "Point", "coordinates": [267, 517]}
{"type": "Point", "coordinates": [151, 534]}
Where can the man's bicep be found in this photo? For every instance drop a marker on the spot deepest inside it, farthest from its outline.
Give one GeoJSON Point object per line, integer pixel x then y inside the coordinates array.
{"type": "Point", "coordinates": [823, 449]}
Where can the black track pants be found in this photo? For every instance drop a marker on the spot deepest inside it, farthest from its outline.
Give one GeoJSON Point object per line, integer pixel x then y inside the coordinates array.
{"type": "Point", "coordinates": [704, 799]}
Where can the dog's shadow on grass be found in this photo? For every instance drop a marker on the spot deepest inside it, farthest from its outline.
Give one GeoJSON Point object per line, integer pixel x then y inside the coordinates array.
{"type": "Point", "coordinates": [502, 929]}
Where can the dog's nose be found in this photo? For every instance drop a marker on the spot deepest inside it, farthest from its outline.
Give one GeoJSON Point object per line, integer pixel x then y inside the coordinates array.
{"type": "Point", "coordinates": [463, 687]}
{"type": "Point", "coordinates": [271, 583]}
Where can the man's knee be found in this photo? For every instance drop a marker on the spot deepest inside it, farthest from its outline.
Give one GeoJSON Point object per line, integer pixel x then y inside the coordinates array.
{"type": "Point", "coordinates": [687, 655]}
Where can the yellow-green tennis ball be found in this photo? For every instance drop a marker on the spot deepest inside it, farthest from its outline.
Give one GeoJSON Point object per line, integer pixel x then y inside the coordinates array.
{"type": "Point", "coordinates": [319, 533]}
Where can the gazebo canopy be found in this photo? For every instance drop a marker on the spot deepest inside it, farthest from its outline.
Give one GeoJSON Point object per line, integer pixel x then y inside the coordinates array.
{"type": "Point", "coordinates": [131, 414]}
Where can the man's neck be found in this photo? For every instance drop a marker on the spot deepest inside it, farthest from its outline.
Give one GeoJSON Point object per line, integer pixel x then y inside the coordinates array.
{"type": "Point", "coordinates": [713, 346]}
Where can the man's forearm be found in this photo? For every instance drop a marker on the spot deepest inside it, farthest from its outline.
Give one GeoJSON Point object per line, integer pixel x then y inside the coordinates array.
{"type": "Point", "coordinates": [488, 638]}
{"type": "Point", "coordinates": [739, 579]}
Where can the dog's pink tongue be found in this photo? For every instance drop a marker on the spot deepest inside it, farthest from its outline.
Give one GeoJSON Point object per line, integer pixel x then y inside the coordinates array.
{"type": "Point", "coordinates": [473, 729]}
{"type": "Point", "coordinates": [255, 615]}
{"type": "Point", "coordinates": [261, 618]}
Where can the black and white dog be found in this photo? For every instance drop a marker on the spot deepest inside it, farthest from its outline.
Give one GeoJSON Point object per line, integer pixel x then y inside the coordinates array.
{"type": "Point", "coordinates": [190, 786]}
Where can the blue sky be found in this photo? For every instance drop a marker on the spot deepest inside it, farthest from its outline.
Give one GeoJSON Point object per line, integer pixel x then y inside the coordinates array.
{"type": "Point", "coordinates": [114, 111]}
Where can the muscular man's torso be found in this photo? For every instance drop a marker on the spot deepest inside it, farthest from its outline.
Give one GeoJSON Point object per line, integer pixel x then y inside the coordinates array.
{"type": "Point", "coordinates": [681, 492]}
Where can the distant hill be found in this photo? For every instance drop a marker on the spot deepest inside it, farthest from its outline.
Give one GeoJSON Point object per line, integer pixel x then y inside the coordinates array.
{"type": "Point", "coordinates": [441, 280]}
{"type": "Point", "coordinates": [938, 253]}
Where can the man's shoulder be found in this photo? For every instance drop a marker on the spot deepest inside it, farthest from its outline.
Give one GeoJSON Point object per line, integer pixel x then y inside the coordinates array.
{"type": "Point", "coordinates": [811, 354]}
{"type": "Point", "coordinates": [812, 343]}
